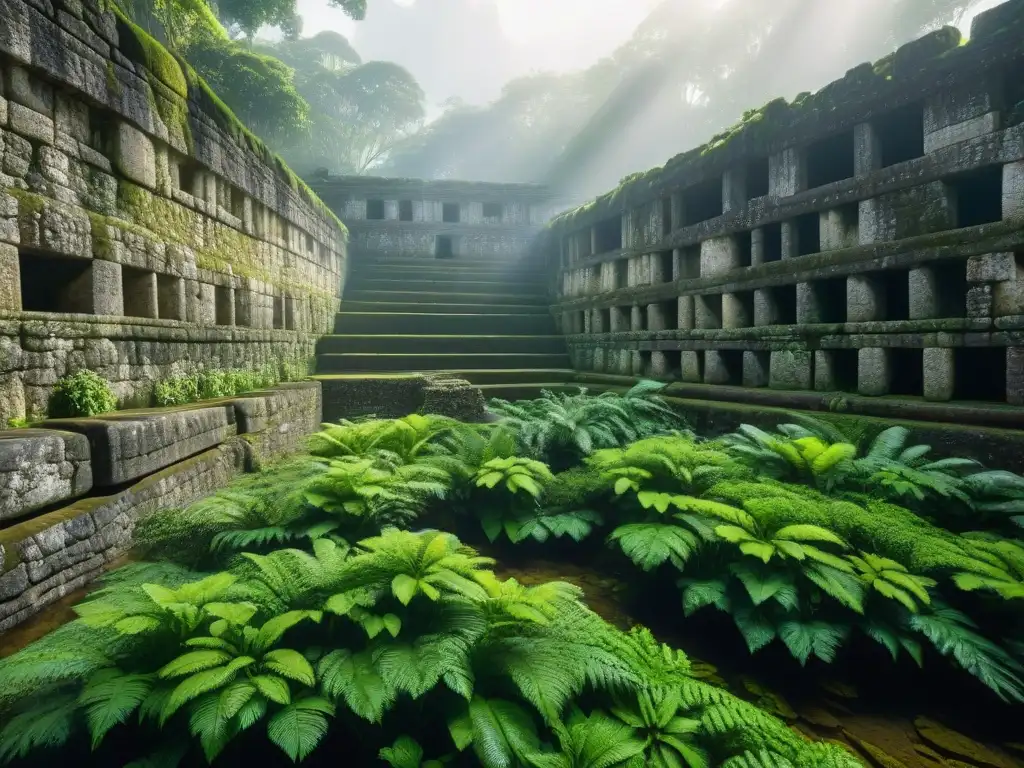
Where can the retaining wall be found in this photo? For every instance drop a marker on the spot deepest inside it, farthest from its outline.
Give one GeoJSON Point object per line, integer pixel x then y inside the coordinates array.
{"type": "Point", "coordinates": [144, 232]}
{"type": "Point", "coordinates": [868, 238]}
{"type": "Point", "coordinates": [71, 491]}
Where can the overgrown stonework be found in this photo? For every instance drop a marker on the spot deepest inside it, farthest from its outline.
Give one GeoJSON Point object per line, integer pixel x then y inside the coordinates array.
{"type": "Point", "coordinates": [867, 238]}
{"type": "Point", "coordinates": [143, 230]}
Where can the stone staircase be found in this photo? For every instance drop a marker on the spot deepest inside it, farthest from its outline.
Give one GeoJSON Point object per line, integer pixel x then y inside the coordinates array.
{"type": "Point", "coordinates": [476, 319]}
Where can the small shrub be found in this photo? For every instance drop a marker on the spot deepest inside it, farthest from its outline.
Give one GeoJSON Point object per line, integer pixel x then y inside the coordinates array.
{"type": "Point", "coordinates": [83, 393]}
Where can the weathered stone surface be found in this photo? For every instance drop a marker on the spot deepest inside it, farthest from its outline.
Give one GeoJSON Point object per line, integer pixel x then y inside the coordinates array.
{"type": "Point", "coordinates": [874, 371]}
{"type": "Point", "coordinates": [41, 467]}
{"type": "Point", "coordinates": [135, 156]}
{"type": "Point", "coordinates": [126, 446]}
{"type": "Point", "coordinates": [939, 373]}
{"type": "Point", "coordinates": [791, 370]}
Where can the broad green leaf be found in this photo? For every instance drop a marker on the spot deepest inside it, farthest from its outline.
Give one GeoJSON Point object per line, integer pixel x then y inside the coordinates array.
{"type": "Point", "coordinates": [404, 587]}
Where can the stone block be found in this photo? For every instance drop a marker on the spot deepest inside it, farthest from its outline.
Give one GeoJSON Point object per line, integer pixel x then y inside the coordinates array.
{"type": "Point", "coordinates": [10, 278]}
{"type": "Point", "coordinates": [735, 312]}
{"type": "Point", "coordinates": [49, 226]}
{"type": "Point", "coordinates": [637, 317]}
{"type": "Point", "coordinates": [41, 467]}
{"type": "Point", "coordinates": [838, 228]}
{"type": "Point", "coordinates": [865, 298]}
{"type": "Point", "coordinates": [808, 310]}
{"type": "Point", "coordinates": [134, 155]}
{"type": "Point", "coordinates": [1013, 191]}
{"type": "Point", "coordinates": [919, 210]}
{"type": "Point", "coordinates": [708, 311]}
{"type": "Point", "coordinates": [756, 368]}
{"type": "Point", "coordinates": [787, 172]}
{"type": "Point", "coordinates": [791, 369]}
{"type": "Point", "coordinates": [107, 288]}
{"type": "Point", "coordinates": [718, 255]}
{"type": "Point", "coordinates": [127, 445]}
{"type": "Point", "coordinates": [685, 320]}
{"type": "Point", "coordinates": [991, 268]}
{"type": "Point", "coordinates": [867, 149]}
{"type": "Point", "coordinates": [659, 365]}
{"type": "Point", "coordinates": [690, 367]}
{"type": "Point", "coordinates": [4, 110]}
{"type": "Point", "coordinates": [874, 371]}
{"type": "Point", "coordinates": [30, 124]}
{"type": "Point", "coordinates": [957, 114]}
{"type": "Point", "coordinates": [924, 286]}
{"type": "Point", "coordinates": [1015, 375]}
{"type": "Point", "coordinates": [620, 319]}
{"type": "Point", "coordinates": [766, 310]}
{"type": "Point", "coordinates": [656, 319]}
{"type": "Point", "coordinates": [939, 373]}
{"type": "Point", "coordinates": [734, 189]}
{"type": "Point", "coordinates": [979, 301]}
{"type": "Point", "coordinates": [26, 89]}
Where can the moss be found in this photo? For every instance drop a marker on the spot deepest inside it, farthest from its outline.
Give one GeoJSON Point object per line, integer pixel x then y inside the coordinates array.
{"type": "Point", "coordinates": [12, 536]}
{"type": "Point", "coordinates": [29, 203]}
{"type": "Point", "coordinates": [113, 84]}
{"type": "Point", "coordinates": [142, 48]}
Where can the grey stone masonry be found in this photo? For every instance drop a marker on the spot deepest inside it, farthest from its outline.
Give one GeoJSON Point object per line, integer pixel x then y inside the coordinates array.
{"type": "Point", "coordinates": [864, 239]}
{"type": "Point", "coordinates": [47, 553]}
{"type": "Point", "coordinates": [128, 206]}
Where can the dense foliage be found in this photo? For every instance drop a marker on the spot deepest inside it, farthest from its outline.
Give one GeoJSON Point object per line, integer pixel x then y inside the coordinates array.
{"type": "Point", "coordinates": [213, 383]}
{"type": "Point", "coordinates": [320, 605]}
{"type": "Point", "coordinates": [82, 393]}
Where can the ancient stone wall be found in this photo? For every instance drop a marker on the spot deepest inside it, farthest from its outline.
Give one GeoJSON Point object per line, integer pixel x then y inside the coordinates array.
{"type": "Point", "coordinates": [866, 238]}
{"type": "Point", "coordinates": [144, 232]}
{"type": "Point", "coordinates": [403, 218]}
{"type": "Point", "coordinates": [71, 492]}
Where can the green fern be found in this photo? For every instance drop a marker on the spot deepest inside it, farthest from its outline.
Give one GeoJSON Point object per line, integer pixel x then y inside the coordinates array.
{"type": "Point", "coordinates": [501, 732]}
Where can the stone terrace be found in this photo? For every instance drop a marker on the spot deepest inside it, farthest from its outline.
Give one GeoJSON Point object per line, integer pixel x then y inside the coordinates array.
{"type": "Point", "coordinates": [867, 239]}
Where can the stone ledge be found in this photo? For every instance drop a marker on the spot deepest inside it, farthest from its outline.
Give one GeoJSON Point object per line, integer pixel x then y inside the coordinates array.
{"type": "Point", "coordinates": [46, 558]}
{"type": "Point", "coordinates": [40, 467]}
{"type": "Point", "coordinates": [386, 397]}
{"type": "Point", "coordinates": [128, 445]}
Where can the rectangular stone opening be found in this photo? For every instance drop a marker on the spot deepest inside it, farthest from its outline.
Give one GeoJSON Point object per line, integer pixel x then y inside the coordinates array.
{"type": "Point", "coordinates": [702, 201]}
{"type": "Point", "coordinates": [808, 234]}
{"type": "Point", "coordinates": [579, 320]}
{"type": "Point", "coordinates": [666, 215]}
{"type": "Point", "coordinates": [494, 211]}
{"type": "Point", "coordinates": [52, 283]}
{"type": "Point", "coordinates": [730, 368]}
{"type": "Point", "coordinates": [979, 373]}
{"type": "Point", "coordinates": [405, 210]}
{"type": "Point", "coordinates": [664, 266]}
{"type": "Point", "coordinates": [741, 310]}
{"type": "Point", "coordinates": [896, 284]}
{"type": "Point", "coordinates": [900, 134]}
{"type": "Point", "coordinates": [137, 289]}
{"type": "Point", "coordinates": [289, 313]}
{"type": "Point", "coordinates": [241, 308]}
{"type": "Point", "coordinates": [757, 178]}
{"type": "Point", "coordinates": [444, 248]}
{"type": "Point", "coordinates": [708, 311]}
{"type": "Point", "coordinates": [673, 364]}
{"type": "Point", "coordinates": [450, 213]}
{"type": "Point", "coordinates": [843, 369]}
{"type": "Point", "coordinates": [170, 297]}
{"type": "Point", "coordinates": [621, 273]}
{"type": "Point", "coordinates": [689, 262]}
{"type": "Point", "coordinates": [639, 320]}
{"type": "Point", "coordinates": [830, 160]}
{"type": "Point", "coordinates": [668, 312]}
{"type": "Point", "coordinates": [744, 247]}
{"type": "Point", "coordinates": [784, 298]}
{"type": "Point", "coordinates": [223, 305]}
{"type": "Point", "coordinates": [619, 319]}
{"type": "Point", "coordinates": [102, 129]}
{"type": "Point", "coordinates": [906, 366]}
{"type": "Point", "coordinates": [608, 235]}
{"type": "Point", "coordinates": [951, 284]}
{"type": "Point", "coordinates": [278, 313]}
{"type": "Point", "coordinates": [310, 243]}
{"type": "Point", "coordinates": [645, 363]}
{"type": "Point", "coordinates": [977, 195]}
{"type": "Point", "coordinates": [375, 210]}
{"type": "Point", "coordinates": [772, 242]}
{"type": "Point", "coordinates": [606, 320]}
{"type": "Point", "coordinates": [188, 175]}
{"type": "Point", "coordinates": [236, 199]}
{"type": "Point", "coordinates": [830, 298]}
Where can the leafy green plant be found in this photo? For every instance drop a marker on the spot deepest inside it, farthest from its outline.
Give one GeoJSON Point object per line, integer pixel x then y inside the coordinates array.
{"type": "Point", "coordinates": [560, 429]}
{"type": "Point", "coordinates": [83, 393]}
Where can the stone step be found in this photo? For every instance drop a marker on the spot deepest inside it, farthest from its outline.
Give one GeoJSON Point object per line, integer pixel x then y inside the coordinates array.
{"type": "Point", "coordinates": [447, 297]}
{"type": "Point", "coordinates": [515, 262]}
{"type": "Point", "coordinates": [526, 391]}
{"type": "Point", "coordinates": [515, 375]}
{"type": "Point", "coordinates": [445, 273]}
{"type": "Point", "coordinates": [413, 307]}
{"type": "Point", "coordinates": [420, 323]}
{"type": "Point", "coordinates": [447, 286]}
{"type": "Point", "coordinates": [408, 344]}
{"type": "Point", "coordinates": [366, 362]}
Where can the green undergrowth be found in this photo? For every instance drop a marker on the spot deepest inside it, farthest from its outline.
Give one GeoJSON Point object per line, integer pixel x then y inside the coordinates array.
{"type": "Point", "coordinates": [212, 384]}
{"type": "Point", "coordinates": [318, 608]}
